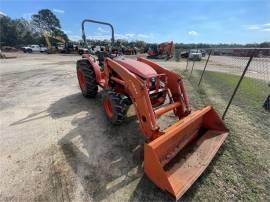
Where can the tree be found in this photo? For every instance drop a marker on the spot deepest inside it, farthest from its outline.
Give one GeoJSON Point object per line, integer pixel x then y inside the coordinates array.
{"type": "Point", "coordinates": [7, 32]}
{"type": "Point", "coordinates": [58, 32]}
{"type": "Point", "coordinates": [45, 21]}
{"type": "Point", "coordinates": [140, 44]}
{"type": "Point", "coordinates": [122, 42]}
{"type": "Point", "coordinates": [24, 32]}
{"type": "Point", "coordinates": [264, 45]}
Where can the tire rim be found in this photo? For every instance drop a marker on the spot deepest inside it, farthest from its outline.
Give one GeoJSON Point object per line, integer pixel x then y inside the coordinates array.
{"type": "Point", "coordinates": [81, 79]}
{"type": "Point", "coordinates": [108, 107]}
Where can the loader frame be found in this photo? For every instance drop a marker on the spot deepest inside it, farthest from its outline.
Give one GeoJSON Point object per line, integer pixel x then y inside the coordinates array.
{"type": "Point", "coordinates": [138, 91]}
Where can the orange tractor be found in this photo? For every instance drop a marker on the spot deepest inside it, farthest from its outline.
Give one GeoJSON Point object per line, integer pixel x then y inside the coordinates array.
{"type": "Point", "coordinates": [176, 156]}
{"type": "Point", "coordinates": [161, 51]}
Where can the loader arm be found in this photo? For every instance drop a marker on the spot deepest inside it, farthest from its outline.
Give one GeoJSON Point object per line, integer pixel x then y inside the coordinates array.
{"type": "Point", "coordinates": [47, 41]}
{"type": "Point", "coordinates": [139, 94]}
{"type": "Point", "coordinates": [176, 86]}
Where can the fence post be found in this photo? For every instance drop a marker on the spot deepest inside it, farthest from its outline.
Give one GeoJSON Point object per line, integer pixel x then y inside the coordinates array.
{"type": "Point", "coordinates": [193, 64]}
{"type": "Point", "coordinates": [192, 67]}
{"type": "Point", "coordinates": [187, 64]}
{"type": "Point", "coordinates": [237, 86]}
{"type": "Point", "coordinates": [204, 67]}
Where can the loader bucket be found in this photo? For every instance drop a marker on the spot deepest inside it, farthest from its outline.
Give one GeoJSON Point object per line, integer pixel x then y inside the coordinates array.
{"type": "Point", "coordinates": [177, 158]}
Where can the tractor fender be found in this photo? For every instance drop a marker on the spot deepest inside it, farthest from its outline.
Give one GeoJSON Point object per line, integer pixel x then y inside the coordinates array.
{"type": "Point", "coordinates": [92, 61]}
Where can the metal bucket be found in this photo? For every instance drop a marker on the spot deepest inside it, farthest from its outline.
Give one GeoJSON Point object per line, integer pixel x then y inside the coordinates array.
{"type": "Point", "coordinates": [177, 158]}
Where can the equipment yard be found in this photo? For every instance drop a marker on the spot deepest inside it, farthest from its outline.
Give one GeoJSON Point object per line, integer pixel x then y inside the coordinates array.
{"type": "Point", "coordinates": [57, 145]}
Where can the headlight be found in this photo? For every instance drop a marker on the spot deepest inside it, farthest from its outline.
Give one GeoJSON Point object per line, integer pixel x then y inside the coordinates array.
{"type": "Point", "coordinates": [153, 79]}
{"type": "Point", "coordinates": [153, 83]}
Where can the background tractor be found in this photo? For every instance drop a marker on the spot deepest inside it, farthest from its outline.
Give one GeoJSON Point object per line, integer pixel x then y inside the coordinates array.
{"type": "Point", "coordinates": [162, 51]}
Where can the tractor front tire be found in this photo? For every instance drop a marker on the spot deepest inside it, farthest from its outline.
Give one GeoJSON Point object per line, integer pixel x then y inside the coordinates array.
{"type": "Point", "coordinates": [87, 79]}
{"type": "Point", "coordinates": [115, 107]}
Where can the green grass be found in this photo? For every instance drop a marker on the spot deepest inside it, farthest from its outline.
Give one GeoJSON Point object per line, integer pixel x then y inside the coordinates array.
{"type": "Point", "coordinates": [241, 169]}
{"type": "Point", "coordinates": [251, 90]}
{"type": "Point", "coordinates": [249, 97]}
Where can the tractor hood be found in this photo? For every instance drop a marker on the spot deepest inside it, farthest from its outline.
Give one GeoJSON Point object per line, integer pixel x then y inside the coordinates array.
{"type": "Point", "coordinates": [141, 69]}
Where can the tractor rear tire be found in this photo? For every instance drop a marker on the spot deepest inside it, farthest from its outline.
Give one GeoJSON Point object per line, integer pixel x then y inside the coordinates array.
{"type": "Point", "coordinates": [115, 107]}
{"type": "Point", "coordinates": [87, 79]}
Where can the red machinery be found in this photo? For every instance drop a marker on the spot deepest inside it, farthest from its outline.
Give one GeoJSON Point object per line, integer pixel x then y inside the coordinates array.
{"type": "Point", "coordinates": [175, 157]}
{"type": "Point", "coordinates": [162, 51]}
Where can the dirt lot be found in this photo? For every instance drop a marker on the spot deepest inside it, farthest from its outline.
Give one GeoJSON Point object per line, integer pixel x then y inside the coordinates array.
{"type": "Point", "coordinates": [58, 146]}
{"type": "Point", "coordinates": [235, 65]}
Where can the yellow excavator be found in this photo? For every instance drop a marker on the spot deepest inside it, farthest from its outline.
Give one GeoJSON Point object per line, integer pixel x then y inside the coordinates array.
{"type": "Point", "coordinates": [52, 49]}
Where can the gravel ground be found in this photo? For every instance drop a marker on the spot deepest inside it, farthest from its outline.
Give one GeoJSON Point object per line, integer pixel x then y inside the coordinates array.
{"type": "Point", "coordinates": [58, 146]}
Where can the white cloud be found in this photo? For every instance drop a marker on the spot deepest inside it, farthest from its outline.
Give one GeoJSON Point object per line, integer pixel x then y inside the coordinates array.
{"type": "Point", "coordinates": [100, 29]}
{"type": "Point", "coordinates": [253, 27]}
{"type": "Point", "coordinates": [67, 31]}
{"type": "Point", "coordinates": [58, 10]}
{"type": "Point", "coordinates": [121, 36]}
{"type": "Point", "coordinates": [103, 36]}
{"type": "Point", "coordinates": [99, 37]}
{"type": "Point", "coordinates": [130, 35]}
{"type": "Point", "coordinates": [143, 36]}
{"type": "Point", "coordinates": [74, 37]}
{"type": "Point", "coordinates": [193, 33]}
{"type": "Point", "coordinates": [2, 13]}
{"type": "Point", "coordinates": [260, 27]}
{"type": "Point", "coordinates": [266, 24]}
{"type": "Point", "coordinates": [266, 29]}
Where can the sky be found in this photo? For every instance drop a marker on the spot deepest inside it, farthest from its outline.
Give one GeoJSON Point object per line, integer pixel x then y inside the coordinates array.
{"type": "Point", "coordinates": [193, 21]}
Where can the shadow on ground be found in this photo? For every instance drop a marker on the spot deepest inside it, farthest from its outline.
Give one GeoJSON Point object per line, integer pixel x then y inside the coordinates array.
{"type": "Point", "coordinates": [107, 158]}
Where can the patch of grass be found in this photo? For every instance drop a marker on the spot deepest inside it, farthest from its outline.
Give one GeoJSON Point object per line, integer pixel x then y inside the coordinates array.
{"type": "Point", "coordinates": [240, 171]}
{"type": "Point", "coordinates": [249, 97]}
{"type": "Point", "coordinates": [252, 90]}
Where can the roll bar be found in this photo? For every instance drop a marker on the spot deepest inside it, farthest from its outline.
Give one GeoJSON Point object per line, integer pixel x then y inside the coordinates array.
{"type": "Point", "coordinates": [97, 22]}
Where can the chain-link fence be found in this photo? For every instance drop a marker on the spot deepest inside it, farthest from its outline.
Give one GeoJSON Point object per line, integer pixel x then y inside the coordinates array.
{"type": "Point", "coordinates": [233, 79]}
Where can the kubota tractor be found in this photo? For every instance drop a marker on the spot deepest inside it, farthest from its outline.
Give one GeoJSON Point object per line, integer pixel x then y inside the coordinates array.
{"type": "Point", "coordinates": [162, 51]}
{"type": "Point", "coordinates": [176, 156]}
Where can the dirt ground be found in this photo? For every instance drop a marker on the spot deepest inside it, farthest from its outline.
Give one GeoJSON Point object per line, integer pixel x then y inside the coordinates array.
{"type": "Point", "coordinates": [258, 68]}
{"type": "Point", "coordinates": [58, 146]}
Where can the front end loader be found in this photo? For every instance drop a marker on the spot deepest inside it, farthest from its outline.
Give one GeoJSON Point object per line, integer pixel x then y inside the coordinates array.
{"type": "Point", "coordinates": [173, 157]}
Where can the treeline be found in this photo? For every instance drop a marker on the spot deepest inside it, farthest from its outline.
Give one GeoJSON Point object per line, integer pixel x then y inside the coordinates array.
{"type": "Point", "coordinates": [221, 45]}
{"type": "Point", "coordinates": [19, 32]}
{"type": "Point", "coordinates": [142, 44]}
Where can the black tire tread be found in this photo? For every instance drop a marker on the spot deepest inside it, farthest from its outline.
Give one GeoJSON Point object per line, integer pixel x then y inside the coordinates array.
{"type": "Point", "coordinates": [119, 106]}
{"type": "Point", "coordinates": [90, 78]}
